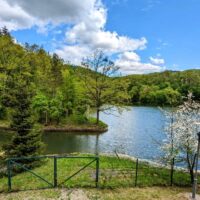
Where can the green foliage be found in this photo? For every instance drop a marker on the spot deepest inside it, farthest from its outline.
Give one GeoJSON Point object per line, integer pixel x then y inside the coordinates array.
{"type": "Point", "coordinates": [68, 92]}
{"type": "Point", "coordinates": [56, 107]}
{"type": "Point", "coordinates": [79, 119]}
{"type": "Point", "coordinates": [60, 90]}
{"type": "Point", "coordinates": [101, 88]}
{"type": "Point", "coordinates": [27, 141]}
{"type": "Point", "coordinates": [2, 112]}
{"type": "Point", "coordinates": [92, 120]}
{"type": "Point", "coordinates": [40, 104]}
{"type": "Point", "coordinates": [48, 110]}
{"type": "Point", "coordinates": [153, 95]}
{"type": "Point", "coordinates": [165, 88]}
{"type": "Point", "coordinates": [17, 91]}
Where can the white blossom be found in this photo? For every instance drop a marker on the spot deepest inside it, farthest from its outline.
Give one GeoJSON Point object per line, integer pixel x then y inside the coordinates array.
{"type": "Point", "coordinates": [181, 133]}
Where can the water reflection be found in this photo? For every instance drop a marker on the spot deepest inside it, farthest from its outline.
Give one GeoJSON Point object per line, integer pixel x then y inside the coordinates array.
{"type": "Point", "coordinates": [134, 132]}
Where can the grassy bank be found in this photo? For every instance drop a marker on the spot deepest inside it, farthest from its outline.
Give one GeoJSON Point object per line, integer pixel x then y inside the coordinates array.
{"type": "Point", "coordinates": [72, 124]}
{"type": "Point", "coordinates": [114, 173]}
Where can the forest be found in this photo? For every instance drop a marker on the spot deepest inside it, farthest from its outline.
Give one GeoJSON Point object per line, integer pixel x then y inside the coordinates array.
{"type": "Point", "coordinates": [61, 92]}
{"type": "Point", "coordinates": [165, 88]}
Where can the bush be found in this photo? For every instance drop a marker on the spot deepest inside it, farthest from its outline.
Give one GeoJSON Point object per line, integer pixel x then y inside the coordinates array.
{"type": "Point", "coordinates": [79, 119]}
{"type": "Point", "coordinates": [2, 112]}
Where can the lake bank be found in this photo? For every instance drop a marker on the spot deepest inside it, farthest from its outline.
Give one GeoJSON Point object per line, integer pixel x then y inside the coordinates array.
{"type": "Point", "coordinates": [73, 128]}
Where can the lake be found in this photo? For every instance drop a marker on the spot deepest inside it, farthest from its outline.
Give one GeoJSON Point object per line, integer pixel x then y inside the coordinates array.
{"type": "Point", "coordinates": [136, 132]}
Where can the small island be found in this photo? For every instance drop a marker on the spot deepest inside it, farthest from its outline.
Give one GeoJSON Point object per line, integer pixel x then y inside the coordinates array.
{"type": "Point", "coordinates": [88, 127]}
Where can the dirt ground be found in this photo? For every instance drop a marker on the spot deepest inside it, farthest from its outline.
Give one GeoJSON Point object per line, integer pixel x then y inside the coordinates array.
{"type": "Point", "coordinates": [161, 193]}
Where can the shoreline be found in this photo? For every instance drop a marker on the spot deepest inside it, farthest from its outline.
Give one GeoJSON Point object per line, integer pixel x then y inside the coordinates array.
{"type": "Point", "coordinates": [74, 129]}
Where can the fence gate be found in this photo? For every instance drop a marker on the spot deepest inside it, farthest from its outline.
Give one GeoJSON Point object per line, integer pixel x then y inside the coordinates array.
{"type": "Point", "coordinates": [67, 177]}
{"type": "Point", "coordinates": [55, 183]}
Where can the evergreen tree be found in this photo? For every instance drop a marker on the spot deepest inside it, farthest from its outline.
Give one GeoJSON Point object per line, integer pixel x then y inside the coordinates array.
{"type": "Point", "coordinates": [56, 72]}
{"type": "Point", "coordinates": [27, 141]}
{"type": "Point", "coordinates": [5, 31]}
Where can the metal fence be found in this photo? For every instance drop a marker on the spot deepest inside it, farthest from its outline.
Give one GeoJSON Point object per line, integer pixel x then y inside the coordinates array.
{"type": "Point", "coordinates": [89, 171]}
{"type": "Point", "coordinates": [14, 164]}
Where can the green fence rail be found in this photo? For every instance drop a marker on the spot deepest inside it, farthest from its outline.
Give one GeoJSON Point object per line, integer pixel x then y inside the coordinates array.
{"type": "Point", "coordinates": [97, 171]}
{"type": "Point", "coordinates": [17, 162]}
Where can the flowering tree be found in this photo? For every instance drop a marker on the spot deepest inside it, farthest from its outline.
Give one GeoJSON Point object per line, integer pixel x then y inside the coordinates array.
{"type": "Point", "coordinates": [181, 140]}
{"type": "Point", "coordinates": [169, 146]}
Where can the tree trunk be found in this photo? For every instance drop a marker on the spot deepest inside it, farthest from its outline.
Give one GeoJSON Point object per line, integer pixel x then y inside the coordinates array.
{"type": "Point", "coordinates": [172, 171]}
{"type": "Point", "coordinates": [192, 176]}
{"type": "Point", "coordinates": [191, 168]}
{"type": "Point", "coordinates": [46, 118]}
{"type": "Point", "coordinates": [97, 120]}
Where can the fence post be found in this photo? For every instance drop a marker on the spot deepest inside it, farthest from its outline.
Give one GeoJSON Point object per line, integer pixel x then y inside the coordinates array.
{"type": "Point", "coordinates": [55, 171]}
{"type": "Point", "coordinates": [97, 172]}
{"type": "Point", "coordinates": [136, 172]}
{"type": "Point", "coordinates": [9, 175]}
{"type": "Point", "coordinates": [172, 172]}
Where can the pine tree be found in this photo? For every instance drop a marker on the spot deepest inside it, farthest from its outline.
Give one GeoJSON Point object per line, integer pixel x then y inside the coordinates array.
{"type": "Point", "coordinates": [56, 73]}
{"type": "Point", "coordinates": [5, 31]}
{"type": "Point", "coordinates": [27, 141]}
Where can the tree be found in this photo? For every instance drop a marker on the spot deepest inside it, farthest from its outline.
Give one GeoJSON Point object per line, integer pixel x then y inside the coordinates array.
{"type": "Point", "coordinates": [4, 31]}
{"type": "Point", "coordinates": [19, 92]}
{"type": "Point", "coordinates": [68, 92]}
{"type": "Point", "coordinates": [184, 137]}
{"type": "Point", "coordinates": [40, 104]}
{"type": "Point", "coordinates": [56, 72]}
{"type": "Point", "coordinates": [49, 110]}
{"type": "Point", "coordinates": [100, 85]}
{"type": "Point", "coordinates": [169, 146]}
{"type": "Point", "coordinates": [56, 108]}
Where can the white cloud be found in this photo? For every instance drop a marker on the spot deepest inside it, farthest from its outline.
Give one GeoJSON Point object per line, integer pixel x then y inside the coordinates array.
{"type": "Point", "coordinates": [85, 34]}
{"type": "Point", "coordinates": [129, 63]}
{"type": "Point", "coordinates": [130, 56]}
{"type": "Point", "coordinates": [18, 14]}
{"type": "Point", "coordinates": [14, 17]}
{"type": "Point", "coordinates": [90, 34]}
{"type": "Point", "coordinates": [157, 61]}
{"type": "Point", "coordinates": [90, 31]}
{"type": "Point", "coordinates": [73, 54]}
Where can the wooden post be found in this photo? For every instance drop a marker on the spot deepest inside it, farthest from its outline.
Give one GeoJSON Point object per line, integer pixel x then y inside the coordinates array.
{"type": "Point", "coordinates": [172, 172]}
{"type": "Point", "coordinates": [97, 172]}
{"type": "Point", "coordinates": [136, 172]}
{"type": "Point", "coordinates": [55, 171]}
{"type": "Point", "coordinates": [9, 175]}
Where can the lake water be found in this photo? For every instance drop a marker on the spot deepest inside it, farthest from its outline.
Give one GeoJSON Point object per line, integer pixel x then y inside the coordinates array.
{"type": "Point", "coordinates": [136, 132]}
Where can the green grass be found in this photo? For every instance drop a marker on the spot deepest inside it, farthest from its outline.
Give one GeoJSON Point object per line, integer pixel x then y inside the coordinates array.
{"type": "Point", "coordinates": [114, 173]}
{"type": "Point", "coordinates": [101, 124]}
{"type": "Point", "coordinates": [82, 120]}
{"type": "Point", "coordinates": [4, 122]}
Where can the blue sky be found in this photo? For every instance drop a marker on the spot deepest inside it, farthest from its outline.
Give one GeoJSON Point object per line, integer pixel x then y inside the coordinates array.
{"type": "Point", "coordinates": [172, 28]}
{"type": "Point", "coordinates": [142, 36]}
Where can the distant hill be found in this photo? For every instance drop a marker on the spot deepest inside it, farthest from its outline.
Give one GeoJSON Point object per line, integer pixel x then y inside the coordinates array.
{"type": "Point", "coordinates": [161, 88]}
